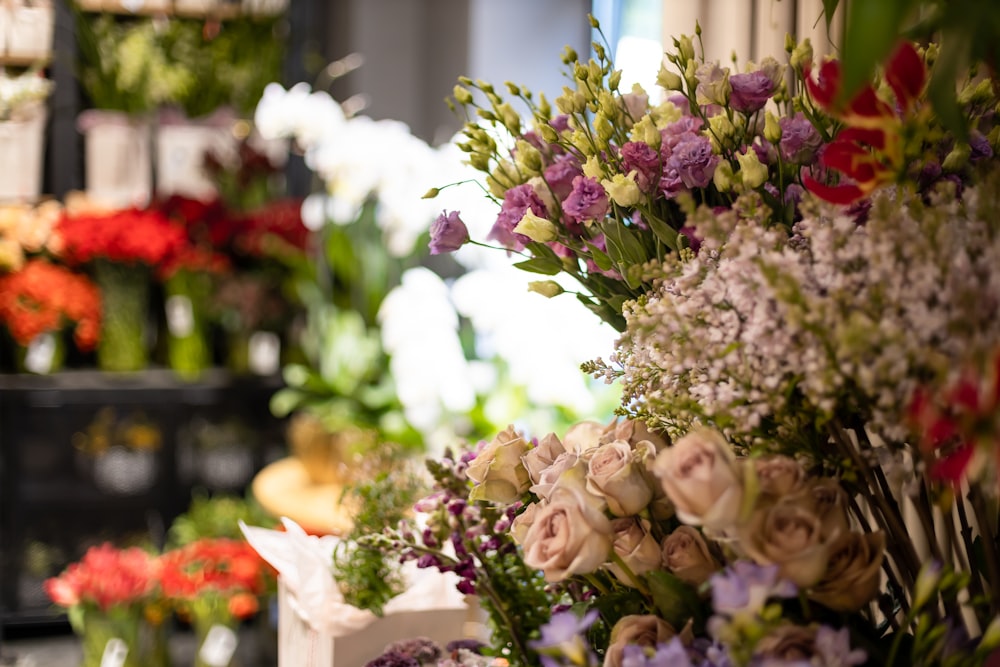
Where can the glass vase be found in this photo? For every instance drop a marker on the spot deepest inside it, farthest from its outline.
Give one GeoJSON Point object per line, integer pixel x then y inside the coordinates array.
{"type": "Point", "coordinates": [124, 309]}
{"type": "Point", "coordinates": [216, 640]}
{"type": "Point", "coordinates": [110, 638]}
{"type": "Point", "coordinates": [188, 350]}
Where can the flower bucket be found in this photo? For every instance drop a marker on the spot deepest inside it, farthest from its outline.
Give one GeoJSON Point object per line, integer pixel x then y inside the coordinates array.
{"type": "Point", "coordinates": [125, 297]}
{"type": "Point", "coordinates": [181, 146]}
{"type": "Point", "coordinates": [22, 146]}
{"type": "Point", "coordinates": [45, 354]}
{"type": "Point", "coordinates": [118, 161]}
{"type": "Point", "coordinates": [188, 349]}
{"type": "Point", "coordinates": [30, 31]}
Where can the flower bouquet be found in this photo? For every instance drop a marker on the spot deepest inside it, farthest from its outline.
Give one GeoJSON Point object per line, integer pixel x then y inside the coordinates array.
{"type": "Point", "coordinates": [121, 247]}
{"type": "Point", "coordinates": [111, 597]}
{"type": "Point", "coordinates": [804, 278]}
{"type": "Point", "coordinates": [41, 299]}
{"type": "Point", "coordinates": [214, 584]}
{"type": "Point", "coordinates": [28, 230]}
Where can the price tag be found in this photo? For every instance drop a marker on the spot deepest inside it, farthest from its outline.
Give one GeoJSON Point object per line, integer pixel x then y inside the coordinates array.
{"type": "Point", "coordinates": [218, 648]}
{"type": "Point", "coordinates": [114, 654]}
{"type": "Point", "coordinates": [40, 353]}
{"type": "Point", "coordinates": [264, 352]}
{"type": "Point", "coordinates": [180, 315]}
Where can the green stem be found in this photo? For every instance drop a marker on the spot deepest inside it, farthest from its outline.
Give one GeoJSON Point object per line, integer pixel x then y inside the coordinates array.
{"type": "Point", "coordinates": [637, 583]}
{"type": "Point", "coordinates": [975, 579]}
{"type": "Point", "coordinates": [989, 546]}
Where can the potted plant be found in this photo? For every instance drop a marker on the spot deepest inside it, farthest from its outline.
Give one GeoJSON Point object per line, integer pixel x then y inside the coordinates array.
{"type": "Point", "coordinates": [22, 133]}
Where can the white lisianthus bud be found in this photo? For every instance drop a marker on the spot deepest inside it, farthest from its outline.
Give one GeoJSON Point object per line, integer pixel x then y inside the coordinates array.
{"type": "Point", "coordinates": [646, 131]}
{"type": "Point", "coordinates": [685, 47]}
{"type": "Point", "coordinates": [536, 228]}
{"type": "Point", "coordinates": [752, 172]}
{"type": "Point", "coordinates": [592, 168]}
{"type": "Point", "coordinates": [528, 158]}
{"type": "Point", "coordinates": [622, 189]}
{"type": "Point", "coordinates": [801, 54]}
{"type": "Point", "coordinates": [666, 113]}
{"type": "Point", "coordinates": [547, 288]}
{"type": "Point", "coordinates": [605, 130]}
{"type": "Point", "coordinates": [772, 130]}
{"type": "Point", "coordinates": [669, 80]}
{"type": "Point", "coordinates": [723, 178]}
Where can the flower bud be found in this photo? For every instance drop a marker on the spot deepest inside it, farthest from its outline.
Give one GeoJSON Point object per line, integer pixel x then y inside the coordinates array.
{"type": "Point", "coordinates": [548, 133]}
{"type": "Point", "coordinates": [957, 158]}
{"type": "Point", "coordinates": [537, 229]}
{"type": "Point", "coordinates": [772, 130]}
{"type": "Point", "coordinates": [462, 96]}
{"type": "Point", "coordinates": [669, 80]}
{"type": "Point", "coordinates": [752, 172]}
{"type": "Point", "coordinates": [724, 178]}
{"type": "Point", "coordinates": [647, 132]}
{"type": "Point", "coordinates": [432, 193]}
{"type": "Point", "coordinates": [685, 47]}
{"type": "Point", "coordinates": [528, 157]}
{"type": "Point", "coordinates": [510, 119]}
{"type": "Point", "coordinates": [927, 584]}
{"type": "Point", "coordinates": [604, 128]}
{"type": "Point", "coordinates": [547, 288]}
{"type": "Point", "coordinates": [801, 54]}
{"type": "Point", "coordinates": [592, 168]}
{"type": "Point", "coordinates": [615, 80]}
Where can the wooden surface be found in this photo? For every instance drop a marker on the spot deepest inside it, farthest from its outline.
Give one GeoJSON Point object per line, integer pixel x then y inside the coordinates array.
{"type": "Point", "coordinates": [284, 489]}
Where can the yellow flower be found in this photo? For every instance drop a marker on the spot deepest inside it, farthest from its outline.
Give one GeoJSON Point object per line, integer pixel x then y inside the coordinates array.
{"type": "Point", "coordinates": [622, 189]}
{"type": "Point", "coordinates": [752, 172]}
{"type": "Point", "coordinates": [536, 228]}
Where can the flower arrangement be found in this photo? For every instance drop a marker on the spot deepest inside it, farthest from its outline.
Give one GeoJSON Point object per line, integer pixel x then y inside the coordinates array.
{"type": "Point", "coordinates": [43, 297]}
{"type": "Point", "coordinates": [111, 595]}
{"type": "Point", "coordinates": [21, 96]}
{"type": "Point", "coordinates": [28, 230]}
{"type": "Point", "coordinates": [803, 277]}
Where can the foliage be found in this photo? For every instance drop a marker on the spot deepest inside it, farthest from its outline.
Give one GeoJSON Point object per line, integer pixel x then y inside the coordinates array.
{"type": "Point", "coordinates": [215, 515]}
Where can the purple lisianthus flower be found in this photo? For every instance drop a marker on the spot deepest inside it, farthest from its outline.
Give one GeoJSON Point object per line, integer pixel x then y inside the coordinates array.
{"type": "Point", "coordinates": [668, 654]}
{"type": "Point", "coordinates": [587, 201]}
{"type": "Point", "coordinates": [564, 636]}
{"type": "Point", "coordinates": [448, 233]}
{"type": "Point", "coordinates": [750, 91]}
{"type": "Point", "coordinates": [800, 142]}
{"type": "Point", "coordinates": [834, 647]}
{"type": "Point", "coordinates": [681, 102]}
{"type": "Point", "coordinates": [980, 146]}
{"type": "Point", "coordinates": [694, 161]}
{"type": "Point", "coordinates": [560, 123]}
{"type": "Point", "coordinates": [560, 174]}
{"type": "Point", "coordinates": [746, 587]}
{"type": "Point", "coordinates": [640, 157]}
{"type": "Point", "coordinates": [516, 202]}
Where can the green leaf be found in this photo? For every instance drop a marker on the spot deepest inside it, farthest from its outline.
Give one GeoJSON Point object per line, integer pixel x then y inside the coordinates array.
{"type": "Point", "coordinates": [667, 234]}
{"type": "Point", "coordinates": [953, 60]}
{"type": "Point", "coordinates": [676, 600]}
{"type": "Point", "coordinates": [540, 265]}
{"type": "Point", "coordinates": [873, 28]}
{"type": "Point", "coordinates": [829, 9]}
{"type": "Point", "coordinates": [284, 402]}
{"type": "Point", "coordinates": [599, 256]}
{"type": "Point", "coordinates": [625, 250]}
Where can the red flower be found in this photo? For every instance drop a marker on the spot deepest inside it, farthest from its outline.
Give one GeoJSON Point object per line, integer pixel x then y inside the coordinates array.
{"type": "Point", "coordinates": [212, 566]}
{"type": "Point", "coordinates": [43, 297]}
{"type": "Point", "coordinates": [869, 150]}
{"type": "Point", "coordinates": [105, 577]}
{"type": "Point", "coordinates": [127, 236]}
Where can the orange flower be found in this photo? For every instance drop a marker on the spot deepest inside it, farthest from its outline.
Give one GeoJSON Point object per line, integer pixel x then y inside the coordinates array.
{"type": "Point", "coordinates": [43, 297]}
{"type": "Point", "coordinates": [243, 605]}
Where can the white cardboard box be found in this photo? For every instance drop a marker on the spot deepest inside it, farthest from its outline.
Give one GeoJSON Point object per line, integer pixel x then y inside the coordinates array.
{"type": "Point", "coordinates": [301, 646]}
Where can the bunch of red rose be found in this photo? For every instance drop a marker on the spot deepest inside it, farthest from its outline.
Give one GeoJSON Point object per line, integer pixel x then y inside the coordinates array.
{"type": "Point", "coordinates": [106, 577]}
{"type": "Point", "coordinates": [42, 297]}
{"type": "Point", "coordinates": [125, 236]}
{"type": "Point", "coordinates": [214, 567]}
{"type": "Point", "coordinates": [269, 231]}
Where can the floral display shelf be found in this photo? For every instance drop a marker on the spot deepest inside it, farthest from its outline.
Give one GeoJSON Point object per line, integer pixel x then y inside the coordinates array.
{"type": "Point", "coordinates": [87, 456]}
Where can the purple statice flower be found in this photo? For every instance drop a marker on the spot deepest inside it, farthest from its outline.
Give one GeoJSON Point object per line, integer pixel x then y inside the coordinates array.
{"type": "Point", "coordinates": [560, 174]}
{"type": "Point", "coordinates": [473, 645]}
{"type": "Point", "coordinates": [833, 647]}
{"type": "Point", "coordinates": [587, 201]}
{"type": "Point", "coordinates": [448, 233]}
{"type": "Point", "coordinates": [640, 157]}
{"type": "Point", "coordinates": [750, 91]}
{"type": "Point", "coordinates": [745, 587]}
{"type": "Point", "coordinates": [393, 659]}
{"type": "Point", "coordinates": [694, 161]}
{"type": "Point", "coordinates": [516, 202]}
{"type": "Point", "coordinates": [800, 142]}
{"type": "Point", "coordinates": [563, 637]}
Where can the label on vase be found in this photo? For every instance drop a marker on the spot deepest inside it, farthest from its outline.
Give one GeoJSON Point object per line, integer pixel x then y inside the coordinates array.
{"type": "Point", "coordinates": [40, 354]}
{"type": "Point", "coordinates": [218, 648]}
{"type": "Point", "coordinates": [264, 352]}
{"type": "Point", "coordinates": [180, 315]}
{"type": "Point", "coordinates": [114, 654]}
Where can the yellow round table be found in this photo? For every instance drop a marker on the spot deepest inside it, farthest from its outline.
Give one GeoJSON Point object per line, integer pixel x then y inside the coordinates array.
{"type": "Point", "coordinates": [284, 488]}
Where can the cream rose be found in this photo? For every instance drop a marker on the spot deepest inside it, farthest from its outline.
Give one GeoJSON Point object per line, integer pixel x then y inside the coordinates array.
{"type": "Point", "coordinates": [542, 456]}
{"type": "Point", "coordinates": [583, 436]}
{"type": "Point", "coordinates": [567, 469]}
{"type": "Point", "coordinates": [635, 546]}
{"type": "Point", "coordinates": [636, 629]}
{"type": "Point", "coordinates": [779, 475]}
{"type": "Point", "coordinates": [617, 473]}
{"type": "Point", "coordinates": [499, 474]}
{"type": "Point", "coordinates": [635, 432]}
{"type": "Point", "coordinates": [827, 500]}
{"type": "Point", "coordinates": [702, 479]}
{"type": "Point", "coordinates": [796, 643]}
{"type": "Point", "coordinates": [685, 554]}
{"type": "Point", "coordinates": [852, 574]}
{"type": "Point", "coordinates": [523, 521]}
{"type": "Point", "coordinates": [788, 534]}
{"type": "Point", "coordinates": [568, 536]}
